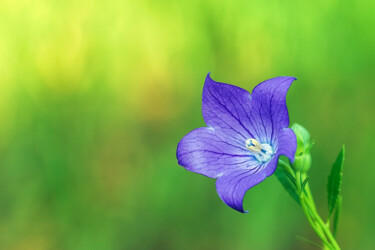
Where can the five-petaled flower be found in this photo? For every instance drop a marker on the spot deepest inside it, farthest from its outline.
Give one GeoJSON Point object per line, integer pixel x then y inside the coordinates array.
{"type": "Point", "coordinates": [245, 136]}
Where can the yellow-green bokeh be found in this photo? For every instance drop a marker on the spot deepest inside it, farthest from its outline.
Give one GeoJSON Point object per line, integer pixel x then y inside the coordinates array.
{"type": "Point", "coordinates": [95, 95]}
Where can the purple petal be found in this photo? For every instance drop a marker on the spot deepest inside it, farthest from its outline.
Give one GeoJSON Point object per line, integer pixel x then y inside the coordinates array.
{"type": "Point", "coordinates": [287, 143]}
{"type": "Point", "coordinates": [268, 107]}
{"type": "Point", "coordinates": [211, 152]}
{"type": "Point", "coordinates": [227, 107]}
{"type": "Point", "coordinates": [233, 186]}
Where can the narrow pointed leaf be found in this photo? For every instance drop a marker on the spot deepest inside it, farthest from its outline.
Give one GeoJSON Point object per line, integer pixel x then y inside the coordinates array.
{"type": "Point", "coordinates": [335, 180]}
{"type": "Point", "coordinates": [337, 215]}
{"type": "Point", "coordinates": [288, 181]}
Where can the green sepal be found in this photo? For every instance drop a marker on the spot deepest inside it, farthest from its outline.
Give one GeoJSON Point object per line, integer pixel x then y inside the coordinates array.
{"type": "Point", "coordinates": [285, 175]}
{"type": "Point", "coordinates": [334, 181]}
{"type": "Point", "coordinates": [305, 182]}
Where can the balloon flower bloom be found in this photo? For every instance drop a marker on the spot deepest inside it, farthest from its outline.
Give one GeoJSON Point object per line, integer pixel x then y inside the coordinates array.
{"type": "Point", "coordinates": [245, 135]}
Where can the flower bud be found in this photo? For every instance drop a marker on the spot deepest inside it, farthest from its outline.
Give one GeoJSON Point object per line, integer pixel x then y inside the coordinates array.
{"type": "Point", "coordinates": [302, 161]}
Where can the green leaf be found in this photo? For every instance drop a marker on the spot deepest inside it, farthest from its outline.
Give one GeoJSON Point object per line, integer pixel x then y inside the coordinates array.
{"type": "Point", "coordinates": [287, 179]}
{"type": "Point", "coordinates": [334, 181]}
{"type": "Point", "coordinates": [337, 215]}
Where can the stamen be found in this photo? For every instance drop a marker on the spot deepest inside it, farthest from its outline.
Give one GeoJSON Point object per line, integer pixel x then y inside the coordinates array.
{"type": "Point", "coordinates": [253, 145]}
{"type": "Point", "coordinates": [262, 152]}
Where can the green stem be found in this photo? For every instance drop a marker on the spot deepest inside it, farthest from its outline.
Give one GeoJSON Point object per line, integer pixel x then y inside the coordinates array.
{"type": "Point", "coordinates": [308, 213]}
{"type": "Point", "coordinates": [308, 206]}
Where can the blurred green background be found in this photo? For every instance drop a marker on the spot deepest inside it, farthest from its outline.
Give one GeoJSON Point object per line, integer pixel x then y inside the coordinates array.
{"type": "Point", "coordinates": [95, 95]}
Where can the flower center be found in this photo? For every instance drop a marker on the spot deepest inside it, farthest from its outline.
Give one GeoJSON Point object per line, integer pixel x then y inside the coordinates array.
{"type": "Point", "coordinates": [262, 152]}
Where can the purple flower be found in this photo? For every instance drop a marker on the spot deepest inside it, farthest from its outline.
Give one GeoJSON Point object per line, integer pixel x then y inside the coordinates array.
{"type": "Point", "coordinates": [245, 136]}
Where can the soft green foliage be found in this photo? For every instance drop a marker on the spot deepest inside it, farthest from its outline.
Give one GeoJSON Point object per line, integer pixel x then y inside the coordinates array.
{"type": "Point", "coordinates": [95, 95]}
{"type": "Point", "coordinates": [334, 181]}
